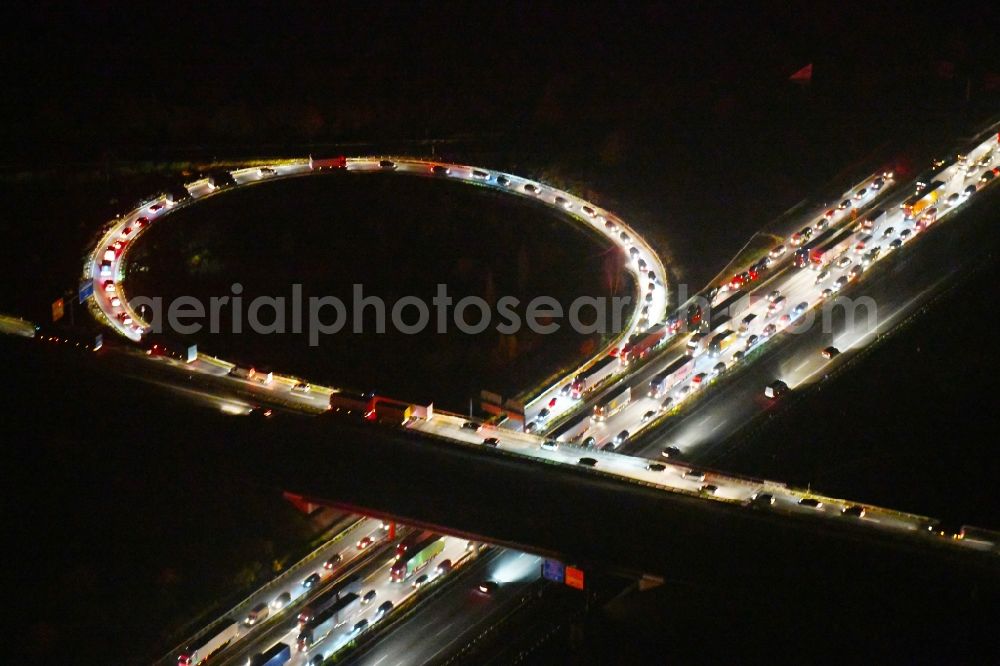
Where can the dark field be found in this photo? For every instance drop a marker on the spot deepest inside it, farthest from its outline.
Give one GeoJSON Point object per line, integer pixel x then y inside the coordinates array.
{"type": "Point", "coordinates": [396, 236]}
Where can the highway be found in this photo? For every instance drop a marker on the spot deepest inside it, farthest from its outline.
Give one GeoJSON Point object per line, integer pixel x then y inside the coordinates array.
{"type": "Point", "coordinates": [105, 266]}
{"type": "Point", "coordinates": [448, 620]}
{"type": "Point", "coordinates": [700, 408]}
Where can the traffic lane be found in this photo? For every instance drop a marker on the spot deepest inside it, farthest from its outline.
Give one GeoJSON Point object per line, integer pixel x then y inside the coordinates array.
{"type": "Point", "coordinates": [727, 406]}
{"type": "Point", "coordinates": [290, 581]}
{"type": "Point", "coordinates": [443, 623]}
{"type": "Point", "coordinates": [378, 579]}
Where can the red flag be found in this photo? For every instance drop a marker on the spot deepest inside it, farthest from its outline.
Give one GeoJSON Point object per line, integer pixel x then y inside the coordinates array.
{"type": "Point", "coordinates": [803, 76]}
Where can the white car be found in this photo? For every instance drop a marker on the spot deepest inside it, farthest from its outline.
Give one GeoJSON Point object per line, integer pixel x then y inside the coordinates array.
{"type": "Point", "coordinates": [776, 251]}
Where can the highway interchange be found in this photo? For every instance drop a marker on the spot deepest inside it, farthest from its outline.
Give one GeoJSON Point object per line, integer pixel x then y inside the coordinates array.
{"type": "Point", "coordinates": [701, 409]}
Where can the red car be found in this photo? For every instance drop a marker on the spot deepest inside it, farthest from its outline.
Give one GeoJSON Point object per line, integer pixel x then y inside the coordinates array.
{"type": "Point", "coordinates": [364, 543]}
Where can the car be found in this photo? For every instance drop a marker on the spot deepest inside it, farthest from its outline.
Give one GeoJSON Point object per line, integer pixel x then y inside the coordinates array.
{"type": "Point", "coordinates": [369, 597]}
{"type": "Point", "coordinates": [624, 237]}
{"type": "Point", "coordinates": [947, 530]}
{"type": "Point", "coordinates": [888, 232]}
{"type": "Point", "coordinates": [649, 298]}
{"type": "Point", "coordinates": [762, 499]}
{"type": "Point", "coordinates": [905, 234]}
{"type": "Point", "coordinates": [775, 389]}
{"type": "Point", "coordinates": [125, 232]}
{"type": "Point", "coordinates": [896, 244]}
{"type": "Point", "coordinates": [531, 188]}
{"type": "Point", "coordinates": [709, 489]}
{"type": "Point", "coordinates": [487, 587]}
{"type": "Point", "coordinates": [667, 403]}
{"type": "Point", "coordinates": [610, 226]}
{"type": "Point", "coordinates": [843, 262]}
{"type": "Point", "coordinates": [799, 309]}
{"type": "Point", "coordinates": [655, 467]}
{"type": "Point", "coordinates": [824, 274]}
{"type": "Point", "coordinates": [648, 416]}
{"type": "Point", "coordinates": [155, 207]}
{"type": "Point", "coordinates": [776, 251]}
{"type": "Point", "coordinates": [257, 614]}
{"type": "Point", "coordinates": [970, 190]}
{"type": "Point", "coordinates": [550, 445]}
{"type": "Point", "coordinates": [699, 378]}
{"type": "Point", "coordinates": [564, 202]}
{"type": "Point", "coordinates": [503, 180]}
{"type": "Point", "coordinates": [386, 164]}
{"type": "Point", "coordinates": [317, 660]}
{"type": "Point", "coordinates": [311, 580]}
{"type": "Point", "coordinates": [987, 176]}
{"type": "Point", "coordinates": [718, 368]}
{"type": "Point", "coordinates": [769, 330]}
{"type": "Point", "coordinates": [856, 272]}
{"type": "Point", "coordinates": [845, 204]}
{"type": "Point", "coordinates": [443, 567]}
{"type": "Point", "coordinates": [738, 356]}
{"type": "Point", "coordinates": [360, 625]}
{"type": "Point", "coordinates": [587, 462]}
{"type": "Point", "coordinates": [589, 443]}
{"type": "Point", "coordinates": [333, 562]}
{"type": "Point", "coordinates": [671, 452]}
{"type": "Point", "coordinates": [840, 283]}
{"type": "Point", "coordinates": [862, 244]}
{"type": "Point", "coordinates": [142, 221]}
{"type": "Point", "coordinates": [301, 387]}
{"type": "Point", "coordinates": [821, 224]}
{"type": "Point", "coordinates": [491, 441]}
{"type": "Point", "coordinates": [694, 475]}
{"type": "Point", "coordinates": [470, 425]}
{"type": "Point", "coordinates": [420, 581]}
{"type": "Point", "coordinates": [620, 438]}
{"type": "Point", "coordinates": [384, 608]}
{"type": "Point", "coordinates": [566, 389]}
{"type": "Point", "coordinates": [588, 211]}
{"type": "Point", "coordinates": [440, 170]}
{"type": "Point", "coordinates": [752, 340]}
{"type": "Point", "coordinates": [830, 352]}
{"type": "Point", "coordinates": [786, 319]}
{"type": "Point", "coordinates": [829, 215]}
{"type": "Point", "coordinates": [777, 302]}
{"type": "Point", "coordinates": [853, 511]}
{"type": "Point", "coordinates": [281, 601]}
{"type": "Point", "coordinates": [109, 287]}
{"type": "Point", "coordinates": [552, 402]}
{"type": "Point", "coordinates": [811, 502]}
{"type": "Point", "coordinates": [544, 414]}
{"type": "Point", "coordinates": [263, 172]}
{"type": "Point", "coordinates": [480, 174]}
{"type": "Point", "coordinates": [954, 199]}
{"type": "Point", "coordinates": [365, 542]}
{"type": "Point", "coordinates": [861, 194]}
{"type": "Point", "coordinates": [878, 183]}
{"type": "Point", "coordinates": [826, 293]}
{"type": "Point", "coordinates": [685, 390]}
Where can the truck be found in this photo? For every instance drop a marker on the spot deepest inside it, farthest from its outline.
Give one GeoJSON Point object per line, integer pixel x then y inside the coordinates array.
{"type": "Point", "coordinates": [416, 559]}
{"type": "Point", "coordinates": [612, 404]}
{"type": "Point", "coordinates": [278, 654]}
{"type": "Point", "coordinates": [746, 323]}
{"type": "Point", "coordinates": [723, 312]}
{"type": "Point", "coordinates": [803, 254]}
{"type": "Point", "coordinates": [928, 218]}
{"type": "Point", "coordinates": [833, 248]}
{"type": "Point", "coordinates": [873, 220]}
{"type": "Point", "coordinates": [641, 344]}
{"type": "Point", "coordinates": [720, 343]}
{"type": "Point", "coordinates": [243, 372]}
{"type": "Point", "coordinates": [411, 540]}
{"type": "Point", "coordinates": [586, 380]}
{"type": "Point", "coordinates": [323, 163]}
{"type": "Point", "coordinates": [321, 626]}
{"type": "Point", "coordinates": [676, 372]}
{"type": "Point", "coordinates": [217, 637]}
{"type": "Point", "coordinates": [320, 603]}
{"type": "Point", "coordinates": [914, 205]}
